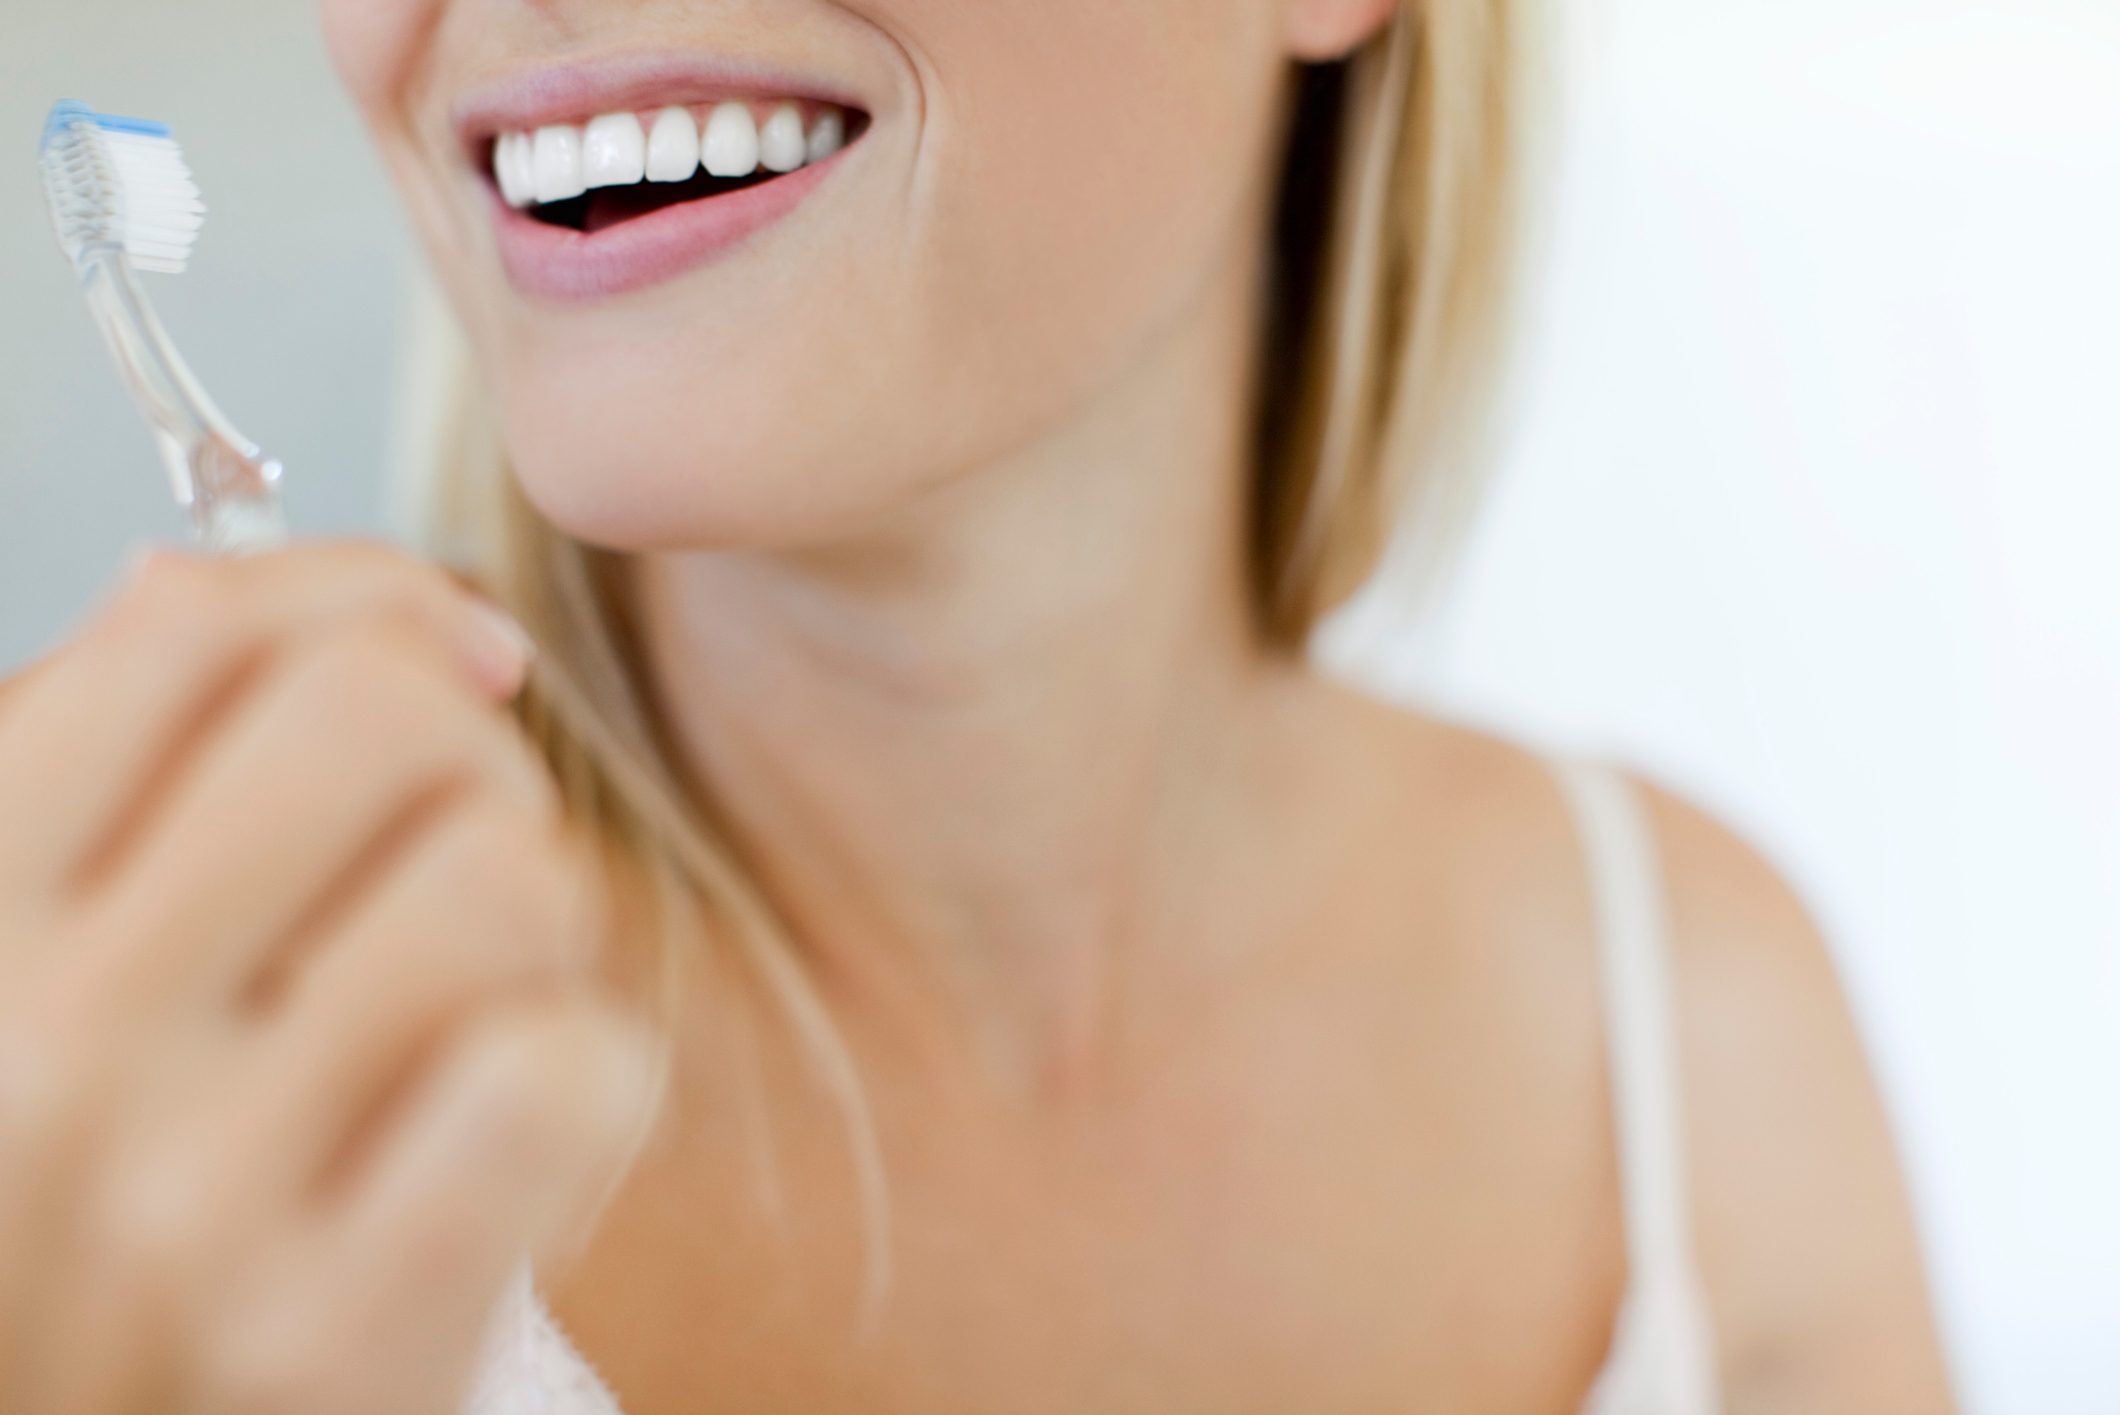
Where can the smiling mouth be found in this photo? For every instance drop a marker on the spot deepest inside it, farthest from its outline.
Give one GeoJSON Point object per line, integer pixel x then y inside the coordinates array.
{"type": "Point", "coordinates": [619, 167]}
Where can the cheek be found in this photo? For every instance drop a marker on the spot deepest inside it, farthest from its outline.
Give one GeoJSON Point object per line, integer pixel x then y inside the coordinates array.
{"type": "Point", "coordinates": [1093, 161]}
{"type": "Point", "coordinates": [372, 42]}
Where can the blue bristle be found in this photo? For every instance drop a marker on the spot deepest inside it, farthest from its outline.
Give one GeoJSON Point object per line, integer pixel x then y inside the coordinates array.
{"type": "Point", "coordinates": [65, 115]}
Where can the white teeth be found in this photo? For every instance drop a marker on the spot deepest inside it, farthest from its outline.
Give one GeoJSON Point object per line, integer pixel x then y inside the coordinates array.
{"type": "Point", "coordinates": [673, 147]}
{"type": "Point", "coordinates": [827, 135]}
{"type": "Point", "coordinates": [781, 145]}
{"type": "Point", "coordinates": [558, 158]}
{"type": "Point", "coordinates": [562, 161]}
{"type": "Point", "coordinates": [513, 167]}
{"type": "Point", "coordinates": [614, 151]}
{"type": "Point", "coordinates": [729, 147]}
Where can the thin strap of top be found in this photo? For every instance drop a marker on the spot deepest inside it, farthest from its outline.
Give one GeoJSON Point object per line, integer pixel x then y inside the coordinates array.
{"type": "Point", "coordinates": [1664, 1347]}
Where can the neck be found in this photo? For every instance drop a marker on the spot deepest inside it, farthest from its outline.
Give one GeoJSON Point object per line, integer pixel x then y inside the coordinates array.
{"type": "Point", "coordinates": [985, 757]}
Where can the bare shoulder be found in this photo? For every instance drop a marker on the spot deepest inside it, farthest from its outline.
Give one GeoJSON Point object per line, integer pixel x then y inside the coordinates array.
{"type": "Point", "coordinates": [1805, 1236]}
{"type": "Point", "coordinates": [1807, 1242]}
{"type": "Point", "coordinates": [1804, 1233]}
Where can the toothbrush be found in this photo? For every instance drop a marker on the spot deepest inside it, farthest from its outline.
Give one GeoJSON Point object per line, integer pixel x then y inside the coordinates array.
{"type": "Point", "coordinates": [123, 201]}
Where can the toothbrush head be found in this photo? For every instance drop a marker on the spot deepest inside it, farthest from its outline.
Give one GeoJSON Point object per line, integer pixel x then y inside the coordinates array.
{"type": "Point", "coordinates": [119, 184]}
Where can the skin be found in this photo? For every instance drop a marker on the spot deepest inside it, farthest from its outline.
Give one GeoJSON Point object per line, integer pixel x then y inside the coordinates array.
{"type": "Point", "coordinates": [1232, 1039]}
{"type": "Point", "coordinates": [299, 1043]}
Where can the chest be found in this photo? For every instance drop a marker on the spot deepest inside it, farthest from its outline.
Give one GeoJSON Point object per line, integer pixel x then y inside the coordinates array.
{"type": "Point", "coordinates": [1206, 1247]}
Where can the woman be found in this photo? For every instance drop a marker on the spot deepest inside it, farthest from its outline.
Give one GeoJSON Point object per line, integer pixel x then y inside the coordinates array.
{"type": "Point", "coordinates": [1067, 999]}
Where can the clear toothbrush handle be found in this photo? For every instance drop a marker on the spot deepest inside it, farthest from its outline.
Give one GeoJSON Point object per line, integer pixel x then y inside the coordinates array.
{"type": "Point", "coordinates": [227, 485]}
{"type": "Point", "coordinates": [235, 507]}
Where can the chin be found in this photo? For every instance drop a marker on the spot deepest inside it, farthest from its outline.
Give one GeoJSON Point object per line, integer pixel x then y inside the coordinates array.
{"type": "Point", "coordinates": [666, 430]}
{"type": "Point", "coordinates": [614, 497]}
{"type": "Point", "coordinates": [736, 484]}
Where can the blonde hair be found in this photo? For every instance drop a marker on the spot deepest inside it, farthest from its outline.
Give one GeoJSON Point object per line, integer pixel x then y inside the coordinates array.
{"type": "Point", "coordinates": [1393, 238]}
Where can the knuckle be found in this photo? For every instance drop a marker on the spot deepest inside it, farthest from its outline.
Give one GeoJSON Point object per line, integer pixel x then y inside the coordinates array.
{"type": "Point", "coordinates": [573, 900]}
{"type": "Point", "coordinates": [148, 1223]}
{"type": "Point", "coordinates": [391, 578]}
{"type": "Point", "coordinates": [365, 692]}
{"type": "Point", "coordinates": [452, 1257]}
{"type": "Point", "coordinates": [496, 869]}
{"type": "Point", "coordinates": [486, 903]}
{"type": "Point", "coordinates": [268, 1385]}
{"type": "Point", "coordinates": [272, 1361]}
{"type": "Point", "coordinates": [353, 677]}
{"type": "Point", "coordinates": [582, 890]}
{"type": "Point", "coordinates": [170, 589]}
{"type": "Point", "coordinates": [319, 682]}
{"type": "Point", "coordinates": [376, 691]}
{"type": "Point", "coordinates": [41, 1082]}
{"type": "Point", "coordinates": [376, 561]}
{"type": "Point", "coordinates": [507, 1073]}
{"type": "Point", "coordinates": [498, 762]}
{"type": "Point", "coordinates": [558, 879]}
{"type": "Point", "coordinates": [484, 851]}
{"type": "Point", "coordinates": [514, 766]}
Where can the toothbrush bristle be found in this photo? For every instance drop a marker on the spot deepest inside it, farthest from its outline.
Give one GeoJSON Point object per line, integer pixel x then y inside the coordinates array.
{"type": "Point", "coordinates": [120, 182]}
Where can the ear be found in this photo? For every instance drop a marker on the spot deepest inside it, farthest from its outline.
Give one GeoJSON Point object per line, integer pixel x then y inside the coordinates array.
{"type": "Point", "coordinates": [1318, 31]}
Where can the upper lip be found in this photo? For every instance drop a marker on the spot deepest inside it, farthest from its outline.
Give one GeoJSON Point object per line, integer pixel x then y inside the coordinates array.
{"type": "Point", "coordinates": [576, 91]}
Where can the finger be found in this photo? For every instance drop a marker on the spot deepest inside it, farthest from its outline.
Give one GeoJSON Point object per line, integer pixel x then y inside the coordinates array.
{"type": "Point", "coordinates": [476, 908]}
{"type": "Point", "coordinates": [12, 685]}
{"type": "Point", "coordinates": [330, 580]}
{"type": "Point", "coordinates": [516, 1136]}
{"type": "Point", "coordinates": [83, 735]}
{"type": "Point", "coordinates": [52, 1078]}
{"type": "Point", "coordinates": [325, 769]}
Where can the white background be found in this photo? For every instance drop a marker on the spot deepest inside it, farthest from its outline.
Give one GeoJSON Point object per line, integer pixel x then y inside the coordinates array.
{"type": "Point", "coordinates": [1812, 509]}
{"type": "Point", "coordinates": [1808, 508]}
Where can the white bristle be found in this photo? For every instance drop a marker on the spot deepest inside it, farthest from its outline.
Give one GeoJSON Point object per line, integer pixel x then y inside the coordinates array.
{"type": "Point", "coordinates": [123, 188]}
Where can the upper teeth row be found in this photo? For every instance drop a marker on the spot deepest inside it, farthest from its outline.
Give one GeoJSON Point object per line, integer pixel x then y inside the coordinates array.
{"type": "Point", "coordinates": [562, 161]}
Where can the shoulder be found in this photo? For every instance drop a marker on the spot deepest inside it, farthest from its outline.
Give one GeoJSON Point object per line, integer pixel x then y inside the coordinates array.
{"type": "Point", "coordinates": [1807, 1243]}
{"type": "Point", "coordinates": [1805, 1237]}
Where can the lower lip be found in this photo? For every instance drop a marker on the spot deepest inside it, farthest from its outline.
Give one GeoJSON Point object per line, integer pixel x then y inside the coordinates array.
{"type": "Point", "coordinates": [556, 263]}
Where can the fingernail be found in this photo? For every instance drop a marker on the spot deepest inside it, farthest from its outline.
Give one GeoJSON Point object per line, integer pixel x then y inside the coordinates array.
{"type": "Point", "coordinates": [501, 649]}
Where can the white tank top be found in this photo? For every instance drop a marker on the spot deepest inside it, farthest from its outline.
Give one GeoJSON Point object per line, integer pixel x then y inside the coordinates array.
{"type": "Point", "coordinates": [1662, 1356]}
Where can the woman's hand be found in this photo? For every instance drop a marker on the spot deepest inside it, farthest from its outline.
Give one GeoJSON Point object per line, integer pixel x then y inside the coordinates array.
{"type": "Point", "coordinates": [299, 1050]}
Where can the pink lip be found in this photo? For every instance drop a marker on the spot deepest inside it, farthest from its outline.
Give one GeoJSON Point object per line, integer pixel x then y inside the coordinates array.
{"type": "Point", "coordinates": [555, 263]}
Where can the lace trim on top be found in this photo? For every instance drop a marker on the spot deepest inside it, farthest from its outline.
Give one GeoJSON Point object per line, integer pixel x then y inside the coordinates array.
{"type": "Point", "coordinates": [529, 1366]}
